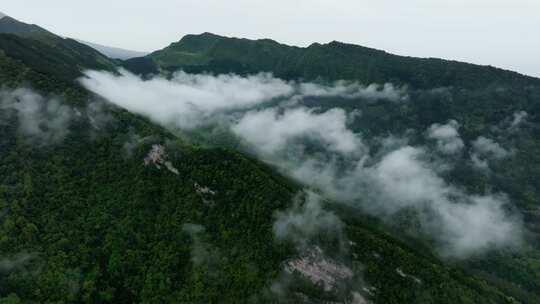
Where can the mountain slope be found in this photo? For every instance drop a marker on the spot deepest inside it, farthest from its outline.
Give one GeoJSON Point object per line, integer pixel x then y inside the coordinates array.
{"type": "Point", "coordinates": [478, 97]}
{"type": "Point", "coordinates": [484, 102]}
{"type": "Point", "coordinates": [10, 25]}
{"type": "Point", "coordinates": [92, 211]}
{"type": "Point", "coordinates": [63, 57]}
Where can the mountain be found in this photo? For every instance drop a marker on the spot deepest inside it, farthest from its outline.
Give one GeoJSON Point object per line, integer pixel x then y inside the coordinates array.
{"type": "Point", "coordinates": [332, 61]}
{"type": "Point", "coordinates": [48, 53]}
{"type": "Point", "coordinates": [101, 205]}
{"type": "Point", "coordinates": [10, 25]}
{"type": "Point", "coordinates": [482, 101]}
{"type": "Point", "coordinates": [112, 52]}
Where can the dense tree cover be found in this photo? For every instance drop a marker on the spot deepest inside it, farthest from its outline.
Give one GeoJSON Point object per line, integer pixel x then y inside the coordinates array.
{"type": "Point", "coordinates": [64, 60]}
{"type": "Point", "coordinates": [482, 99]}
{"type": "Point", "coordinates": [487, 113]}
{"type": "Point", "coordinates": [84, 220]}
{"type": "Point", "coordinates": [100, 226]}
{"type": "Point", "coordinates": [10, 25]}
{"type": "Point", "coordinates": [46, 53]}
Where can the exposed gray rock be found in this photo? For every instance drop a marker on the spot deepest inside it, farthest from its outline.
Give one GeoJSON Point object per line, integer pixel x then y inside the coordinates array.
{"type": "Point", "coordinates": [319, 269]}
{"type": "Point", "coordinates": [205, 193]}
{"type": "Point", "coordinates": [158, 157]}
{"type": "Point", "coordinates": [405, 275]}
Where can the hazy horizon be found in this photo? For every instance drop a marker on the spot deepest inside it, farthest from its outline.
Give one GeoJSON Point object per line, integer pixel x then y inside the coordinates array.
{"type": "Point", "coordinates": [483, 32]}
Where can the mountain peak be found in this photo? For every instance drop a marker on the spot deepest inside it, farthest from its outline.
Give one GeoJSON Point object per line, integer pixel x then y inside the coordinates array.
{"type": "Point", "coordinates": [210, 35]}
{"type": "Point", "coordinates": [9, 25]}
{"type": "Point", "coordinates": [206, 36]}
{"type": "Point", "coordinates": [197, 42]}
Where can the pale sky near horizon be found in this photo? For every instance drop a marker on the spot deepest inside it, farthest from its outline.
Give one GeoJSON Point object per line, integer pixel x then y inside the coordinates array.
{"type": "Point", "coordinates": [502, 33]}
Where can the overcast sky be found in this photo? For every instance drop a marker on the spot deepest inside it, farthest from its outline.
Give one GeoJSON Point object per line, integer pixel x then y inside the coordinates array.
{"type": "Point", "coordinates": [502, 33]}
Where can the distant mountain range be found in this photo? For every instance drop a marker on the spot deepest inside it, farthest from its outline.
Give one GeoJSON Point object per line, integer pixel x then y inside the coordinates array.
{"type": "Point", "coordinates": [113, 52]}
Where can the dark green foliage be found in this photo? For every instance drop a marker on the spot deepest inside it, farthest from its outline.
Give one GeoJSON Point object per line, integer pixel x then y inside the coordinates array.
{"type": "Point", "coordinates": [64, 60]}
{"type": "Point", "coordinates": [85, 220]}
{"type": "Point", "coordinates": [9, 25]}
{"type": "Point", "coordinates": [481, 98]}
{"type": "Point", "coordinates": [142, 65]}
{"type": "Point", "coordinates": [101, 226]}
{"type": "Point", "coordinates": [47, 53]}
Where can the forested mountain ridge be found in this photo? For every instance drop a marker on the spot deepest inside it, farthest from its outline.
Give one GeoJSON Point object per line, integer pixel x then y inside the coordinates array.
{"type": "Point", "coordinates": [48, 53]}
{"type": "Point", "coordinates": [331, 61]}
{"type": "Point", "coordinates": [65, 59]}
{"type": "Point", "coordinates": [100, 205]}
{"type": "Point", "coordinates": [10, 25]}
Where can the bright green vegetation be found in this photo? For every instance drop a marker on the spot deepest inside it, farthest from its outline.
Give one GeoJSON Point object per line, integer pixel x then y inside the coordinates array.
{"type": "Point", "coordinates": [84, 220]}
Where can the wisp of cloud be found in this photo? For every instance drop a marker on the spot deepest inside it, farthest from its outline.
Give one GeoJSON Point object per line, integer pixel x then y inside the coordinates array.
{"type": "Point", "coordinates": [318, 148]}
{"type": "Point", "coordinates": [39, 119]}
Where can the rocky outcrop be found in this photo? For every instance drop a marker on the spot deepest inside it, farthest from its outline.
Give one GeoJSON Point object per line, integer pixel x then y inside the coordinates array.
{"type": "Point", "coordinates": [405, 275]}
{"type": "Point", "coordinates": [319, 269]}
{"type": "Point", "coordinates": [158, 157]}
{"type": "Point", "coordinates": [205, 193]}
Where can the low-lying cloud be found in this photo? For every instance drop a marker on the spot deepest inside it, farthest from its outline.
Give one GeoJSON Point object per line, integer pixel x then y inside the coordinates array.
{"type": "Point", "coordinates": [190, 100]}
{"type": "Point", "coordinates": [464, 223]}
{"type": "Point", "coordinates": [489, 148]}
{"type": "Point", "coordinates": [518, 119]}
{"type": "Point", "coordinates": [317, 148]}
{"type": "Point", "coordinates": [47, 120]}
{"type": "Point", "coordinates": [186, 100]}
{"type": "Point", "coordinates": [40, 119]}
{"type": "Point", "coordinates": [447, 137]}
{"type": "Point", "coordinates": [351, 90]}
{"type": "Point", "coordinates": [485, 150]}
{"type": "Point", "coordinates": [305, 220]}
{"type": "Point", "coordinates": [201, 252]}
{"type": "Point", "coordinates": [14, 262]}
{"type": "Point", "coordinates": [281, 127]}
